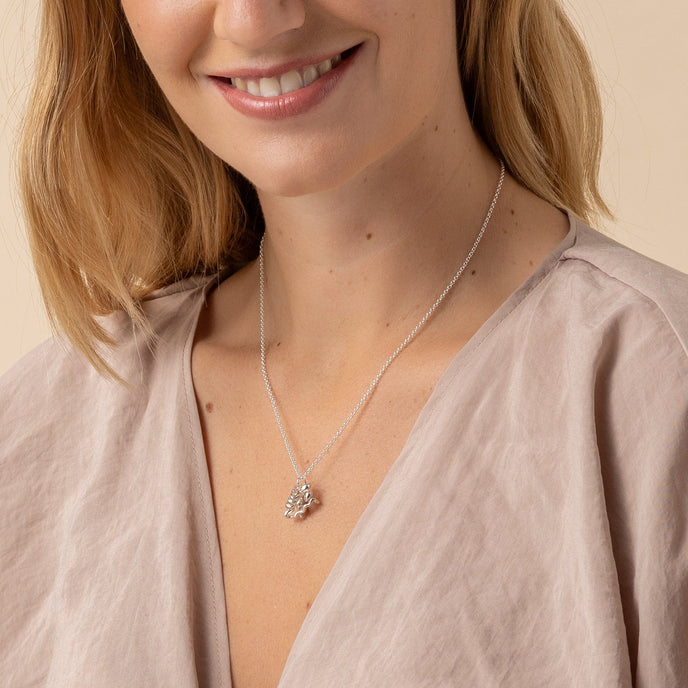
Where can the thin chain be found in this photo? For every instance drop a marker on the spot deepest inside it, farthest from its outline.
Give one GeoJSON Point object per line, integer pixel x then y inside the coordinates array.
{"type": "Point", "coordinates": [301, 477]}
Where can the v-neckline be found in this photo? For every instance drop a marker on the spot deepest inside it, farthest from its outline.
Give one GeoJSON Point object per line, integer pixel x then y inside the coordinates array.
{"type": "Point", "coordinates": [328, 586]}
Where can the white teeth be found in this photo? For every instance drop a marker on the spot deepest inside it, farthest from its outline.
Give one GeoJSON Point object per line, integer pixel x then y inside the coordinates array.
{"type": "Point", "coordinates": [291, 81]}
{"type": "Point", "coordinates": [269, 87]}
{"type": "Point", "coordinates": [324, 67]}
{"type": "Point", "coordinates": [253, 87]}
{"type": "Point", "coordinates": [310, 74]}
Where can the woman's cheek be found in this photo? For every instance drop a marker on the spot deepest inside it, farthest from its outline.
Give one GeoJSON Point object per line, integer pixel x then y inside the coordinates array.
{"type": "Point", "coordinates": [169, 33]}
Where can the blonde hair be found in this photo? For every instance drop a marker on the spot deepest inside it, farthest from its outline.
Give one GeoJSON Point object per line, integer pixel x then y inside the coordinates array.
{"type": "Point", "coordinates": [120, 197]}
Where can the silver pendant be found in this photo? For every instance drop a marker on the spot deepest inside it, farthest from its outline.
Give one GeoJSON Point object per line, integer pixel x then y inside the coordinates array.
{"type": "Point", "coordinates": [300, 500]}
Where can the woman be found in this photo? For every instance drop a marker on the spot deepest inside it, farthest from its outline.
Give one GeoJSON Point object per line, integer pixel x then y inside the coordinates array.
{"type": "Point", "coordinates": [295, 210]}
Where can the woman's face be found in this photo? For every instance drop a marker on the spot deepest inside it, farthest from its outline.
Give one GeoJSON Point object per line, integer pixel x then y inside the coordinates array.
{"type": "Point", "coordinates": [251, 79]}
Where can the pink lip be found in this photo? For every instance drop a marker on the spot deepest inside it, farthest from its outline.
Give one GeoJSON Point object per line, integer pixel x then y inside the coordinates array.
{"type": "Point", "coordinates": [289, 104]}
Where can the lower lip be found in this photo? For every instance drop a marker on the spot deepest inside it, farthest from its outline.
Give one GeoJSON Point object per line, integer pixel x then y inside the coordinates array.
{"type": "Point", "coordinates": [289, 104]}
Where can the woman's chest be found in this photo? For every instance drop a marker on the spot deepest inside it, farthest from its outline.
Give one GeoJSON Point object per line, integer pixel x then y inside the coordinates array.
{"type": "Point", "coordinates": [273, 566]}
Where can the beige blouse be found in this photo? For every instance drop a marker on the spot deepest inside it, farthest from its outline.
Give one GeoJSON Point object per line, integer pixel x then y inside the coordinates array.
{"type": "Point", "coordinates": [532, 532]}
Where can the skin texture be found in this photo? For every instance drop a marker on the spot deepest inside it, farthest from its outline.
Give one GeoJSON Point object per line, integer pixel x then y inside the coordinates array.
{"type": "Point", "coordinates": [371, 201]}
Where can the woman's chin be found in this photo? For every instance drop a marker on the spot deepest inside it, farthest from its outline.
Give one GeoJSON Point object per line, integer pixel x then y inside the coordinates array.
{"type": "Point", "coordinates": [298, 181]}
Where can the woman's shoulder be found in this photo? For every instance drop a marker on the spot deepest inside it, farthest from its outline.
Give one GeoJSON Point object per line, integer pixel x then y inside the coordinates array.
{"type": "Point", "coordinates": [47, 394]}
{"type": "Point", "coordinates": [167, 311]}
{"type": "Point", "coordinates": [604, 277]}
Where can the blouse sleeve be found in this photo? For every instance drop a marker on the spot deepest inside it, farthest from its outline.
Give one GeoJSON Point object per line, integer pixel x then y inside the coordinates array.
{"type": "Point", "coordinates": [641, 409]}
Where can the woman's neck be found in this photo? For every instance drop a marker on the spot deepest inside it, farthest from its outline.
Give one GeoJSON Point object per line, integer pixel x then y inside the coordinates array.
{"type": "Point", "coordinates": [343, 263]}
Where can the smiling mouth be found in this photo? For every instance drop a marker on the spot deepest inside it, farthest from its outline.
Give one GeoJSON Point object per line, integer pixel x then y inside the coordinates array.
{"type": "Point", "coordinates": [293, 80]}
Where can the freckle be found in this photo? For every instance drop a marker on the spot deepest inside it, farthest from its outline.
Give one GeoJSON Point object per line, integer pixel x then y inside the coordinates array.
{"type": "Point", "coordinates": [505, 232]}
{"type": "Point", "coordinates": [308, 604]}
{"type": "Point", "coordinates": [387, 325]}
{"type": "Point", "coordinates": [413, 15]}
{"type": "Point", "coordinates": [231, 470]}
{"type": "Point", "coordinates": [437, 126]}
{"type": "Point", "coordinates": [512, 211]}
{"type": "Point", "coordinates": [330, 271]}
{"type": "Point", "coordinates": [530, 262]}
{"type": "Point", "coordinates": [369, 236]}
{"type": "Point", "coordinates": [453, 131]}
{"type": "Point", "coordinates": [279, 343]}
{"type": "Point", "coordinates": [472, 272]}
{"type": "Point", "coordinates": [209, 407]}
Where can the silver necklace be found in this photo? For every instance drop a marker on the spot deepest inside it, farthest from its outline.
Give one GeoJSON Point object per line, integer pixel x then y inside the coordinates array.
{"type": "Point", "coordinates": [300, 498]}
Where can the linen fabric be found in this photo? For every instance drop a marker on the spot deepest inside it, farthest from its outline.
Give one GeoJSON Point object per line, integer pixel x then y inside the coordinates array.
{"type": "Point", "coordinates": [532, 532]}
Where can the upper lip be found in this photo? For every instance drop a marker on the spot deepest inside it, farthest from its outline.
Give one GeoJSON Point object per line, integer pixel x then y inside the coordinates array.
{"type": "Point", "coordinates": [275, 69]}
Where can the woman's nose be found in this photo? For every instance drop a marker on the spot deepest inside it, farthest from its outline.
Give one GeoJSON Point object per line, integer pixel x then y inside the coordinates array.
{"type": "Point", "coordinates": [254, 24]}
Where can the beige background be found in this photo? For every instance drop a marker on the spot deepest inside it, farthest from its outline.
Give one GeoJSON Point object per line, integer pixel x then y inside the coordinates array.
{"type": "Point", "coordinates": [642, 59]}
